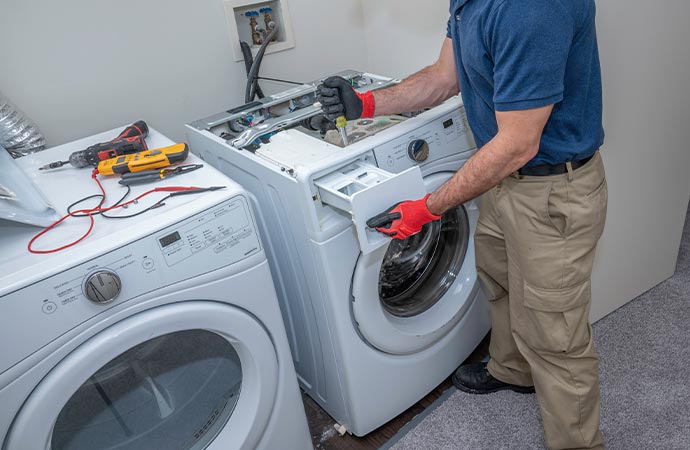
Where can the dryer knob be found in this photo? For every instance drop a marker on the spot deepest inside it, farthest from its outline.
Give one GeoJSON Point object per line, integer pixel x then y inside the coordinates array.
{"type": "Point", "coordinates": [418, 150]}
{"type": "Point", "coordinates": [102, 287]}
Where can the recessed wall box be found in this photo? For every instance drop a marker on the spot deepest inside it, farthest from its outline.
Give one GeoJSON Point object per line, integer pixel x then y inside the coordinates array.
{"type": "Point", "coordinates": [245, 17]}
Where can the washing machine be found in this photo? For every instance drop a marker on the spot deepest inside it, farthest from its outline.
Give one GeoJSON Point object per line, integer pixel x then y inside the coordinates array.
{"type": "Point", "coordinates": [374, 324]}
{"type": "Point", "coordinates": [160, 331]}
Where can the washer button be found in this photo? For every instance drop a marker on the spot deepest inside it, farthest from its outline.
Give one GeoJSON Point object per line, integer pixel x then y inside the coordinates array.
{"type": "Point", "coordinates": [148, 263]}
{"type": "Point", "coordinates": [49, 307]}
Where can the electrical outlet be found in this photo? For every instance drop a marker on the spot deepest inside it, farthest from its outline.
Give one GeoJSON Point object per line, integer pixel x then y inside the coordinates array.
{"type": "Point", "coordinates": [248, 21]}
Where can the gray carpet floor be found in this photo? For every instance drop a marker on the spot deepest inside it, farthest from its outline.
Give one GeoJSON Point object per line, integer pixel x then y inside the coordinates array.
{"type": "Point", "coordinates": [645, 384]}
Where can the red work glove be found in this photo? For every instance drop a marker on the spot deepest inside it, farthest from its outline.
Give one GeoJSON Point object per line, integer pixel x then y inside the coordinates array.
{"type": "Point", "coordinates": [404, 219]}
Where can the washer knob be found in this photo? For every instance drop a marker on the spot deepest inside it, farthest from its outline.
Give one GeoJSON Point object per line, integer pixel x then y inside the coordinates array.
{"type": "Point", "coordinates": [102, 287]}
{"type": "Point", "coordinates": [418, 150]}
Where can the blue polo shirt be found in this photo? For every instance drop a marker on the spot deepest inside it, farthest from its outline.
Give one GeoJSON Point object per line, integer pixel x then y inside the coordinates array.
{"type": "Point", "coordinates": [523, 54]}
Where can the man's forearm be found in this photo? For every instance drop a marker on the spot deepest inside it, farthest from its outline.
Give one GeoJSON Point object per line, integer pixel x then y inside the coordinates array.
{"type": "Point", "coordinates": [517, 142]}
{"type": "Point", "coordinates": [488, 167]}
{"type": "Point", "coordinates": [424, 89]}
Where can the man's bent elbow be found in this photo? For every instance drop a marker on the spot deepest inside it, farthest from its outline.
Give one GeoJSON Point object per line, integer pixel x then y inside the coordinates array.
{"type": "Point", "coordinates": [526, 151]}
{"type": "Point", "coordinates": [448, 82]}
{"type": "Point", "coordinates": [519, 149]}
{"type": "Point", "coordinates": [445, 69]}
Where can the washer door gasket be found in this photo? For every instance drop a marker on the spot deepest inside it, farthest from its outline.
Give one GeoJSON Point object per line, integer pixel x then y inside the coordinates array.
{"type": "Point", "coordinates": [418, 271]}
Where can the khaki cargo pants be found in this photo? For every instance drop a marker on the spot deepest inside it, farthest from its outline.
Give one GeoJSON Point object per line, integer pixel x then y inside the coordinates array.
{"type": "Point", "coordinates": [535, 245]}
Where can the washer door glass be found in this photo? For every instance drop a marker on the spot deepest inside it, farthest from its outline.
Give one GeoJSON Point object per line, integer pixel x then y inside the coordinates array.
{"type": "Point", "coordinates": [174, 392]}
{"type": "Point", "coordinates": [418, 271]}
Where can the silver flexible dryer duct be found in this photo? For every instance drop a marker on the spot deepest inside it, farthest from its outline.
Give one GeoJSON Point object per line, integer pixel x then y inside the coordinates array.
{"type": "Point", "coordinates": [18, 135]}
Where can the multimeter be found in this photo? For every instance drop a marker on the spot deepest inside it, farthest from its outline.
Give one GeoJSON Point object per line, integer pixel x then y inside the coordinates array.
{"type": "Point", "coordinates": [150, 159]}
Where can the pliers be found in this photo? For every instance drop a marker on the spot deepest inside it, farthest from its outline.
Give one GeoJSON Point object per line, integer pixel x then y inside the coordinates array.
{"type": "Point", "coordinates": [148, 176]}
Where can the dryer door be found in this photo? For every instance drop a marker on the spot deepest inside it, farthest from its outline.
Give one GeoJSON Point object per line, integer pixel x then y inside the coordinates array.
{"type": "Point", "coordinates": [409, 294]}
{"type": "Point", "coordinates": [188, 376]}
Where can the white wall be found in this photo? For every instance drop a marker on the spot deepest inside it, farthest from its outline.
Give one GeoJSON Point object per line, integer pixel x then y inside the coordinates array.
{"type": "Point", "coordinates": [77, 67]}
{"type": "Point", "coordinates": [403, 35]}
{"type": "Point", "coordinates": [646, 70]}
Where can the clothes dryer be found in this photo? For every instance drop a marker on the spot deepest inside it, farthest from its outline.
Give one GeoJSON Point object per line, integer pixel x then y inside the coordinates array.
{"type": "Point", "coordinates": [160, 331]}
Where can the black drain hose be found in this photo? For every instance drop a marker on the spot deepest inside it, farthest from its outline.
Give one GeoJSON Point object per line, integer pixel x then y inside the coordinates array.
{"type": "Point", "coordinates": [248, 61]}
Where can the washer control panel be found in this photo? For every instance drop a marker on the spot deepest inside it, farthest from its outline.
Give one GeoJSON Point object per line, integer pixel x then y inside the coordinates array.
{"type": "Point", "coordinates": [445, 136]}
{"type": "Point", "coordinates": [215, 238]}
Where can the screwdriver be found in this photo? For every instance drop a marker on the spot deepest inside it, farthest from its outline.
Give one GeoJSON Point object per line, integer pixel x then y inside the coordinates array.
{"type": "Point", "coordinates": [148, 176]}
{"type": "Point", "coordinates": [341, 123]}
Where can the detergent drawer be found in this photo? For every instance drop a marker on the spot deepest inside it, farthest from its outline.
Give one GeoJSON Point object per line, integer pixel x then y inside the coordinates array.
{"type": "Point", "coordinates": [364, 190]}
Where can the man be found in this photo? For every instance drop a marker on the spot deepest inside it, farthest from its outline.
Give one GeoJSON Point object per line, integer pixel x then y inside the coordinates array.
{"type": "Point", "coordinates": [528, 72]}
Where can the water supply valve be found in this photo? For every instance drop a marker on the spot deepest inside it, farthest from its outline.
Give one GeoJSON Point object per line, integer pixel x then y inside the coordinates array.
{"type": "Point", "coordinates": [268, 20]}
{"type": "Point", "coordinates": [257, 38]}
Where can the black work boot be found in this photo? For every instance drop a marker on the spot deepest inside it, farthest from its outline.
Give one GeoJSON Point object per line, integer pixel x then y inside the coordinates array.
{"type": "Point", "coordinates": [476, 379]}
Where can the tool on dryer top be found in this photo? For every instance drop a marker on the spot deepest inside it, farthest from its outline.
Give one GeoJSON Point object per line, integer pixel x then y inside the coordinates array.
{"type": "Point", "coordinates": [131, 140]}
{"type": "Point", "coordinates": [150, 159]}
{"type": "Point", "coordinates": [149, 176]}
{"type": "Point", "coordinates": [341, 123]}
{"type": "Point", "coordinates": [100, 210]}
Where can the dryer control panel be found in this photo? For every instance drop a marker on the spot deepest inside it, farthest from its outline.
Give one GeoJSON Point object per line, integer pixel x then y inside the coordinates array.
{"type": "Point", "coordinates": [448, 135]}
{"type": "Point", "coordinates": [215, 238]}
{"type": "Point", "coordinates": [226, 231]}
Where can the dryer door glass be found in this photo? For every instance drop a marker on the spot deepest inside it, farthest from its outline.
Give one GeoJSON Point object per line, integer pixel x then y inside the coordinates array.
{"type": "Point", "coordinates": [418, 271]}
{"type": "Point", "coordinates": [174, 392]}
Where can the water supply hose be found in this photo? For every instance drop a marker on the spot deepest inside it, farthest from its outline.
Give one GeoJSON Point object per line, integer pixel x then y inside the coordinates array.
{"type": "Point", "coordinates": [248, 61]}
{"type": "Point", "coordinates": [252, 80]}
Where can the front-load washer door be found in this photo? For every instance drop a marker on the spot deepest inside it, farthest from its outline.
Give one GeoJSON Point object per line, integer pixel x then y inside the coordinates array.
{"type": "Point", "coordinates": [409, 294]}
{"type": "Point", "coordinates": [188, 376]}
